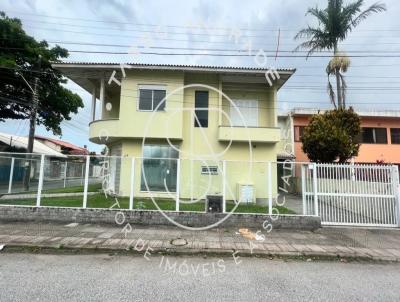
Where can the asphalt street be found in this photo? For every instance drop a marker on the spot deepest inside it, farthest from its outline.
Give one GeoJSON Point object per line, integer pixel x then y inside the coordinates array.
{"type": "Point", "coordinates": [33, 277]}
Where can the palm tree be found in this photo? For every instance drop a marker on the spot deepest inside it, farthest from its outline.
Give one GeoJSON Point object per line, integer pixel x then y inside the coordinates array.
{"type": "Point", "coordinates": [336, 21]}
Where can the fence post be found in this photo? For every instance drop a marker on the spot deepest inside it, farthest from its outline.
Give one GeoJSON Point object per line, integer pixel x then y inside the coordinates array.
{"type": "Point", "coordinates": [315, 189]}
{"type": "Point", "coordinates": [65, 173]}
{"type": "Point", "coordinates": [396, 186]}
{"type": "Point", "coordinates": [11, 175]}
{"type": "Point", "coordinates": [40, 184]}
{"type": "Point", "coordinates": [85, 190]}
{"type": "Point", "coordinates": [223, 186]}
{"type": "Point", "coordinates": [131, 195]}
{"type": "Point", "coordinates": [269, 188]}
{"type": "Point", "coordinates": [178, 178]}
{"type": "Point", "coordinates": [303, 188]}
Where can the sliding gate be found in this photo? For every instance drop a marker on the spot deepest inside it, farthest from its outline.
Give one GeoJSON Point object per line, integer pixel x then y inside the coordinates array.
{"type": "Point", "coordinates": [359, 195]}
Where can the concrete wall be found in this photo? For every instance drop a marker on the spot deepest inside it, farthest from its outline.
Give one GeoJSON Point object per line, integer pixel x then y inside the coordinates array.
{"type": "Point", "coordinates": [68, 215]}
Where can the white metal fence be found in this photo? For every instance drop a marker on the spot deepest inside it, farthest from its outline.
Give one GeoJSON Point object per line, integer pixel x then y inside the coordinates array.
{"type": "Point", "coordinates": [342, 194]}
{"type": "Point", "coordinates": [366, 195]}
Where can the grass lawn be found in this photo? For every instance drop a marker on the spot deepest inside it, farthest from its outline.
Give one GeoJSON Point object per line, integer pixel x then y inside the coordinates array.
{"type": "Point", "coordinates": [100, 201]}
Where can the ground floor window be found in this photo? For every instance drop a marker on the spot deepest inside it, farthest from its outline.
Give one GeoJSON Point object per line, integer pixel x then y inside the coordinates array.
{"type": "Point", "coordinates": [159, 168]}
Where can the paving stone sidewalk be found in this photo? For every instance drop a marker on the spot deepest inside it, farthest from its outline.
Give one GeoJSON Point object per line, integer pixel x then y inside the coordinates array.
{"type": "Point", "coordinates": [376, 244]}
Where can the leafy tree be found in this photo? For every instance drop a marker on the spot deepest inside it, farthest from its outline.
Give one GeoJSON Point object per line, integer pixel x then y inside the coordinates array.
{"type": "Point", "coordinates": [335, 22]}
{"type": "Point", "coordinates": [19, 54]}
{"type": "Point", "coordinates": [332, 136]}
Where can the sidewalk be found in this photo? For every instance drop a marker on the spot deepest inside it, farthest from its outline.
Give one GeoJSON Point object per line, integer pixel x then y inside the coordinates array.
{"type": "Point", "coordinates": [373, 244]}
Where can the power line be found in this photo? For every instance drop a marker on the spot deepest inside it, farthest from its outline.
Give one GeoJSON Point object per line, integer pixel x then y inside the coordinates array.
{"type": "Point", "coordinates": [181, 26]}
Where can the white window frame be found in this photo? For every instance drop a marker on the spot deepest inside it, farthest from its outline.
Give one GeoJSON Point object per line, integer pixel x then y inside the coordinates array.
{"type": "Point", "coordinates": [235, 110]}
{"type": "Point", "coordinates": [152, 88]}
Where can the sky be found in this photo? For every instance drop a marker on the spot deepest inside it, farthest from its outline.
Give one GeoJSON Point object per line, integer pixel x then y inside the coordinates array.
{"type": "Point", "coordinates": [212, 27]}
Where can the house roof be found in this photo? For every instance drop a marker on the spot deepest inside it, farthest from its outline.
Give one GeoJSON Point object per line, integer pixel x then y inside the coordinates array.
{"type": "Point", "coordinates": [75, 149]}
{"type": "Point", "coordinates": [86, 74]}
{"type": "Point", "coordinates": [372, 113]}
{"type": "Point", "coordinates": [21, 142]}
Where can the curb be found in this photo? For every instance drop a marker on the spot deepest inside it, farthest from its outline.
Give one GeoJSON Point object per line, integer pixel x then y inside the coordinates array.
{"type": "Point", "coordinates": [285, 255]}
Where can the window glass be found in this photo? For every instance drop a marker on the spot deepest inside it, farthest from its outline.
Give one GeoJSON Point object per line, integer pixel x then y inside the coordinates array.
{"type": "Point", "coordinates": [201, 109]}
{"type": "Point", "coordinates": [159, 96]}
{"type": "Point", "coordinates": [159, 168]}
{"type": "Point", "coordinates": [145, 100]}
{"type": "Point", "coordinates": [395, 135]}
{"type": "Point", "coordinates": [374, 135]}
{"type": "Point", "coordinates": [381, 135]}
{"type": "Point", "coordinates": [298, 133]}
{"type": "Point", "coordinates": [368, 135]}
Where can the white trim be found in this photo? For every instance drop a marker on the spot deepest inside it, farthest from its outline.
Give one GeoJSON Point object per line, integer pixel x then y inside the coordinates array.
{"type": "Point", "coordinates": [152, 86]}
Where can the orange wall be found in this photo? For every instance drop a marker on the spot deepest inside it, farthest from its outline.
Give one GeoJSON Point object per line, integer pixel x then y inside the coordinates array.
{"type": "Point", "coordinates": [369, 153]}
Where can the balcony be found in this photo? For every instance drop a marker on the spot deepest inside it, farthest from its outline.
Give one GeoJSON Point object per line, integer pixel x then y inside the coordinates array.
{"type": "Point", "coordinates": [254, 134]}
{"type": "Point", "coordinates": [109, 130]}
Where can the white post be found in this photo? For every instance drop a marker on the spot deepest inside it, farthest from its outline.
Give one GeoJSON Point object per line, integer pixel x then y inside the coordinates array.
{"type": "Point", "coordinates": [40, 184]}
{"type": "Point", "coordinates": [85, 190]}
{"type": "Point", "coordinates": [178, 178]}
{"type": "Point", "coordinates": [132, 184]}
{"type": "Point", "coordinates": [224, 186]}
{"type": "Point", "coordinates": [65, 173]}
{"type": "Point", "coordinates": [94, 103]}
{"type": "Point", "coordinates": [11, 175]}
{"type": "Point", "coordinates": [82, 177]}
{"type": "Point", "coordinates": [269, 188]}
{"type": "Point", "coordinates": [102, 93]}
{"type": "Point", "coordinates": [315, 189]}
{"type": "Point", "coordinates": [303, 188]}
{"type": "Point", "coordinates": [396, 186]}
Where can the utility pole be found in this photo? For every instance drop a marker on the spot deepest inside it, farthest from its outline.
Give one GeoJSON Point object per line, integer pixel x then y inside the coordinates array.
{"type": "Point", "coordinates": [32, 126]}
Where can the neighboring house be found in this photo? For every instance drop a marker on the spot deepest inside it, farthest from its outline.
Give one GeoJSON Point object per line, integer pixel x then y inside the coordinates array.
{"type": "Point", "coordinates": [380, 139]}
{"type": "Point", "coordinates": [62, 146]}
{"type": "Point", "coordinates": [133, 113]}
{"type": "Point", "coordinates": [19, 144]}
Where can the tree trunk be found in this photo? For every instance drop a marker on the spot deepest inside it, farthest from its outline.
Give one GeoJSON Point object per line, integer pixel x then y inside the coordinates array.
{"type": "Point", "coordinates": [339, 89]}
{"type": "Point", "coordinates": [338, 82]}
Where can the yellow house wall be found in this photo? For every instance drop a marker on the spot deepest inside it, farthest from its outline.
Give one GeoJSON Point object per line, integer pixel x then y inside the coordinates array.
{"type": "Point", "coordinates": [196, 142]}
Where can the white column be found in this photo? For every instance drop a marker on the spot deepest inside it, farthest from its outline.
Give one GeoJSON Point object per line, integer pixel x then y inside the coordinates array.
{"type": "Point", "coordinates": [11, 175]}
{"type": "Point", "coordinates": [85, 190]}
{"type": "Point", "coordinates": [40, 184]}
{"type": "Point", "coordinates": [102, 93]}
{"type": "Point", "coordinates": [94, 103]}
{"type": "Point", "coordinates": [315, 189]}
{"type": "Point", "coordinates": [178, 181]}
{"type": "Point", "coordinates": [132, 184]}
{"type": "Point", "coordinates": [224, 186]}
{"type": "Point", "coordinates": [269, 188]}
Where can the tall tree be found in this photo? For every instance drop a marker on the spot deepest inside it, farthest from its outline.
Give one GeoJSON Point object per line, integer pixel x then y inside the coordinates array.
{"type": "Point", "coordinates": [19, 70]}
{"type": "Point", "coordinates": [335, 22]}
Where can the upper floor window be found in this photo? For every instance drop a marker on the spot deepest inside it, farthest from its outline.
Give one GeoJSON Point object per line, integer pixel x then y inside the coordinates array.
{"type": "Point", "coordinates": [374, 135]}
{"type": "Point", "coordinates": [395, 135]}
{"type": "Point", "coordinates": [244, 113]}
{"type": "Point", "coordinates": [151, 98]}
{"type": "Point", "coordinates": [201, 109]}
{"type": "Point", "coordinates": [298, 133]}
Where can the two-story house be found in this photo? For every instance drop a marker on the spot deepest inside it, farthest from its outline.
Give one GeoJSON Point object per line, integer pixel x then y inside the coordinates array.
{"type": "Point", "coordinates": [380, 135]}
{"type": "Point", "coordinates": [181, 122]}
